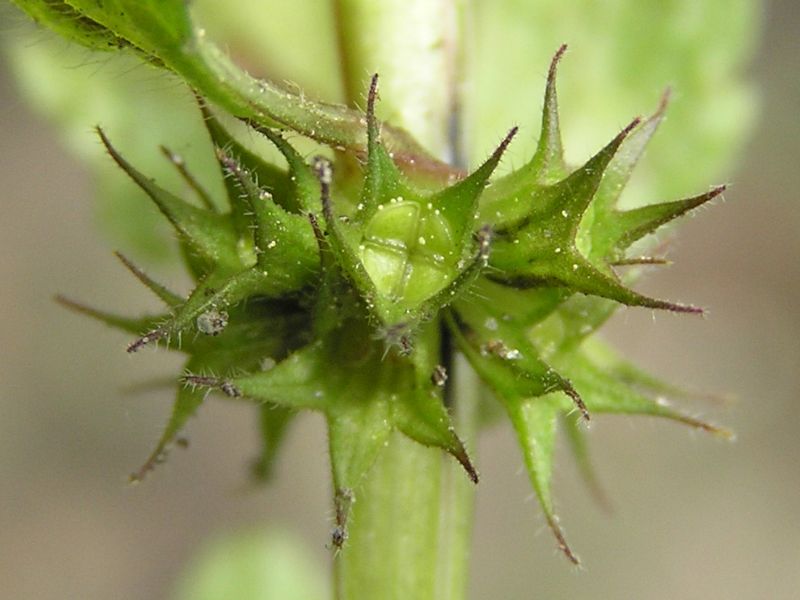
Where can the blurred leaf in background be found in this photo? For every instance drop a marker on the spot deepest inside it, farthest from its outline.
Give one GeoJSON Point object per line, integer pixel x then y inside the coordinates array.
{"type": "Point", "coordinates": [140, 106]}
{"type": "Point", "coordinates": [253, 565]}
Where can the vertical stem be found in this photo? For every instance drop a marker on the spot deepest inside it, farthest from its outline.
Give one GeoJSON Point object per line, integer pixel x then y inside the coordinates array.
{"type": "Point", "coordinates": [457, 501]}
{"type": "Point", "coordinates": [414, 47]}
{"type": "Point", "coordinates": [410, 527]}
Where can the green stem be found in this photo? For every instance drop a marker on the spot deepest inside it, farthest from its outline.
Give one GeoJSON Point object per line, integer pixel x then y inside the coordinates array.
{"type": "Point", "coordinates": [414, 46]}
{"type": "Point", "coordinates": [410, 528]}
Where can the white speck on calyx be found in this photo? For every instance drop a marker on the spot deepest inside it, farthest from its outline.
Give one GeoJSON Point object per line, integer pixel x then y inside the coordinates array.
{"type": "Point", "coordinates": [499, 349]}
{"type": "Point", "coordinates": [212, 322]}
{"type": "Point", "coordinates": [439, 376]}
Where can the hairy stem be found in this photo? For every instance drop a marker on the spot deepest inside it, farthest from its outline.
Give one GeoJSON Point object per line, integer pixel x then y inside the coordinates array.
{"type": "Point", "coordinates": [414, 46]}
{"type": "Point", "coordinates": [410, 526]}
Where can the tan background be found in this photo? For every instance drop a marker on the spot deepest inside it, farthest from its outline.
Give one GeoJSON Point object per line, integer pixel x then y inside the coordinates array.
{"type": "Point", "coordinates": [694, 518]}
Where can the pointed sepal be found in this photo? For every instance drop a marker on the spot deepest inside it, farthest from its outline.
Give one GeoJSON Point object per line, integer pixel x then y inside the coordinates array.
{"type": "Point", "coordinates": [569, 233]}
{"type": "Point", "coordinates": [284, 242]}
{"type": "Point", "coordinates": [187, 401]}
{"type": "Point", "coordinates": [296, 382]}
{"type": "Point", "coordinates": [506, 200]}
{"type": "Point", "coordinates": [534, 422]}
{"type": "Point", "coordinates": [553, 212]}
{"type": "Point", "coordinates": [205, 311]}
{"type": "Point", "coordinates": [383, 181]}
{"type": "Point", "coordinates": [458, 204]}
{"type": "Point", "coordinates": [607, 394]}
{"type": "Point", "coordinates": [506, 361]}
{"type": "Point", "coordinates": [207, 234]}
{"type": "Point", "coordinates": [631, 225]}
{"type": "Point", "coordinates": [121, 322]}
{"type": "Point", "coordinates": [420, 412]}
{"type": "Point", "coordinates": [274, 422]}
{"type": "Point", "coordinates": [358, 431]}
{"type": "Point", "coordinates": [541, 249]}
{"type": "Point", "coordinates": [407, 253]}
{"type": "Point", "coordinates": [180, 165]}
{"type": "Point", "coordinates": [168, 297]}
{"type": "Point", "coordinates": [303, 186]}
{"type": "Point", "coordinates": [274, 180]}
{"type": "Point", "coordinates": [576, 436]}
{"type": "Point", "coordinates": [548, 161]}
{"type": "Point", "coordinates": [621, 167]}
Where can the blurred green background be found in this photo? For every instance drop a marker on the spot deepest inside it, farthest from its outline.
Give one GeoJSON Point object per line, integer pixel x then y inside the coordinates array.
{"type": "Point", "coordinates": [693, 517]}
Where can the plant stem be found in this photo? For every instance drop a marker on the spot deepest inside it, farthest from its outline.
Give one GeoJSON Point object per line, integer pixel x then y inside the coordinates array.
{"type": "Point", "coordinates": [410, 527]}
{"type": "Point", "coordinates": [414, 46]}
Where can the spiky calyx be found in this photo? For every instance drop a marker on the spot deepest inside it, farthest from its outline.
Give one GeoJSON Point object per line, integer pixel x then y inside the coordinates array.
{"type": "Point", "coordinates": [311, 296]}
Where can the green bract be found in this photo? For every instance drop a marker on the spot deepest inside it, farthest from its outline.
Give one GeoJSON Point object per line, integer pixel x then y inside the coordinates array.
{"type": "Point", "coordinates": [308, 298]}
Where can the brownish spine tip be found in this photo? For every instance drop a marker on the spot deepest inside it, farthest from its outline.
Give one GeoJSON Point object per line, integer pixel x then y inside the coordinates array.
{"type": "Point", "coordinates": [463, 458]}
{"type": "Point", "coordinates": [663, 102]}
{"type": "Point", "coordinates": [104, 138]}
{"type": "Point", "coordinates": [492, 162]}
{"type": "Point", "coordinates": [641, 260]}
{"type": "Point", "coordinates": [551, 75]}
{"type": "Point", "coordinates": [372, 96]}
{"type": "Point", "coordinates": [715, 430]}
{"type": "Point", "coordinates": [506, 141]}
{"type": "Point", "coordinates": [135, 345]}
{"type": "Point", "coordinates": [67, 303]}
{"type": "Point", "coordinates": [717, 190]}
{"type": "Point", "coordinates": [672, 306]}
{"type": "Point", "coordinates": [312, 218]}
{"type": "Point", "coordinates": [688, 309]}
{"type": "Point", "coordinates": [200, 380]}
{"type": "Point", "coordinates": [175, 159]}
{"type": "Point", "coordinates": [628, 128]}
{"type": "Point", "coordinates": [562, 542]}
{"type": "Point", "coordinates": [226, 386]}
{"type": "Point", "coordinates": [579, 403]}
